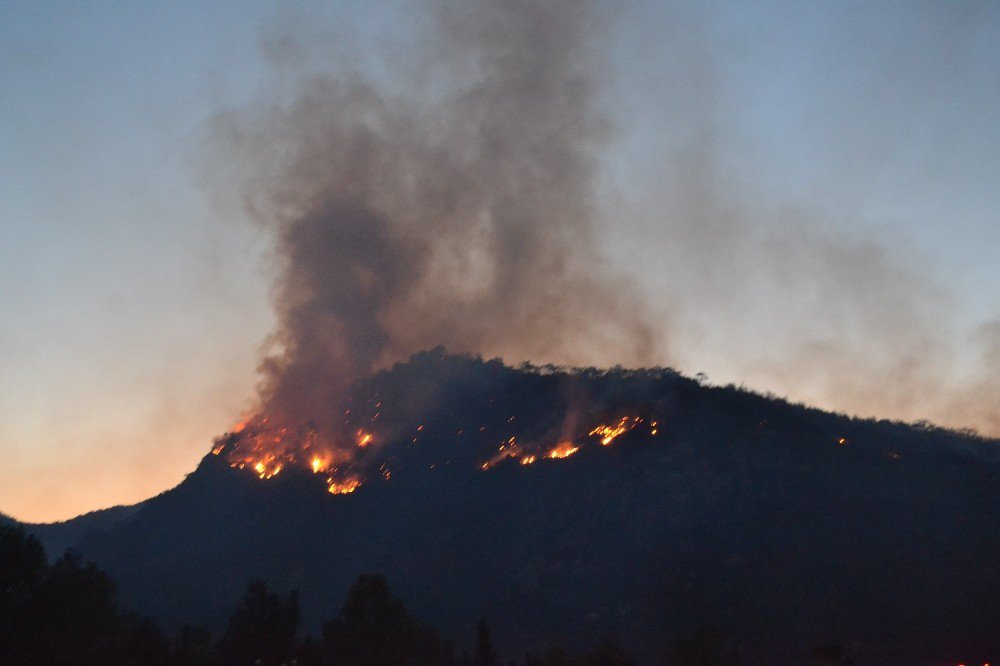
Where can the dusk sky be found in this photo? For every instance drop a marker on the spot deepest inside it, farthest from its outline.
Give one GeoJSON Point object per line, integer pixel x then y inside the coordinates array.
{"type": "Point", "coordinates": [800, 196]}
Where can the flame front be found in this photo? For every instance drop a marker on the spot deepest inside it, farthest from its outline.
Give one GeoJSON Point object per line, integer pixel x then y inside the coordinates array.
{"type": "Point", "coordinates": [608, 433]}
{"type": "Point", "coordinates": [563, 450]}
{"type": "Point", "coordinates": [265, 449]}
{"type": "Point", "coordinates": [348, 485]}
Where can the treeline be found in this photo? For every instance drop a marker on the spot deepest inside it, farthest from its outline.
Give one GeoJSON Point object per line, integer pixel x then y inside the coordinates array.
{"type": "Point", "coordinates": [66, 613]}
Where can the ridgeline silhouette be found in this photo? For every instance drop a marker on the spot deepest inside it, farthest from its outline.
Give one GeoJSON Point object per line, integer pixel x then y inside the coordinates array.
{"type": "Point", "coordinates": [746, 529]}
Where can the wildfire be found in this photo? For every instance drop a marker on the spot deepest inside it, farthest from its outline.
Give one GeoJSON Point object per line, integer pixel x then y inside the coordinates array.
{"type": "Point", "coordinates": [322, 461]}
{"type": "Point", "coordinates": [265, 472]}
{"type": "Point", "coordinates": [265, 449]}
{"type": "Point", "coordinates": [608, 433]}
{"type": "Point", "coordinates": [563, 450]}
{"type": "Point", "coordinates": [348, 485]}
{"type": "Point", "coordinates": [509, 449]}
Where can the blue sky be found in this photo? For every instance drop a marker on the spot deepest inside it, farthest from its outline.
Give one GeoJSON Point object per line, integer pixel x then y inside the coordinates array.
{"type": "Point", "coordinates": [134, 304]}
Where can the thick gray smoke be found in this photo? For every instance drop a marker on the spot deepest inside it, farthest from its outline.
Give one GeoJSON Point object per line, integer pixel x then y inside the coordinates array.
{"type": "Point", "coordinates": [459, 215]}
{"type": "Point", "coordinates": [457, 206]}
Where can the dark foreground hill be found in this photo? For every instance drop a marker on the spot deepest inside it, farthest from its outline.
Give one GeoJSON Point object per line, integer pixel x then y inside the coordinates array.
{"type": "Point", "coordinates": [772, 531]}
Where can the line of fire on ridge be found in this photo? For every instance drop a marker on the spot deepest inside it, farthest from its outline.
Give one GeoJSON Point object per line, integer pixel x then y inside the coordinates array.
{"type": "Point", "coordinates": [264, 451]}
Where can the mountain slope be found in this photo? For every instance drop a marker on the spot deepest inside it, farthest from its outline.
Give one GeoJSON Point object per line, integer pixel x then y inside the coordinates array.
{"type": "Point", "coordinates": [783, 528]}
{"type": "Point", "coordinates": [57, 537]}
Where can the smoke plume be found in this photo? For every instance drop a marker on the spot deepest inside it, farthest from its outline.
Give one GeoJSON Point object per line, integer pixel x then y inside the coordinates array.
{"type": "Point", "coordinates": [459, 215]}
{"type": "Point", "coordinates": [458, 206]}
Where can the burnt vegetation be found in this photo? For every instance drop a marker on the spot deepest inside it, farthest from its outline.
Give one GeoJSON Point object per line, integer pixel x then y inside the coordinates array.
{"type": "Point", "coordinates": [746, 530]}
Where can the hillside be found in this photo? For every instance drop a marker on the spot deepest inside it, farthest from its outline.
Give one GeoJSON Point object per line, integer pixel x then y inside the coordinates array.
{"type": "Point", "coordinates": [779, 528]}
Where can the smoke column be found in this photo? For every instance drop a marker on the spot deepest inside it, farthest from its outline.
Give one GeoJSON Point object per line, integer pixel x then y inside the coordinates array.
{"type": "Point", "coordinates": [462, 216]}
{"type": "Point", "coordinates": [460, 209]}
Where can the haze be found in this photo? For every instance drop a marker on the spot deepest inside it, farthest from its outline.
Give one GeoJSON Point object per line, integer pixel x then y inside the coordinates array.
{"type": "Point", "coordinates": [795, 196]}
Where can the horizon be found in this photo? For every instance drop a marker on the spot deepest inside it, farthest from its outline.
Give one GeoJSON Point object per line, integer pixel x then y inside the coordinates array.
{"type": "Point", "coordinates": [646, 429]}
{"type": "Point", "coordinates": [788, 196]}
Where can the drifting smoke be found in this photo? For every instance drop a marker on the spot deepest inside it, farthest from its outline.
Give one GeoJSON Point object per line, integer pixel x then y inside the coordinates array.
{"type": "Point", "coordinates": [460, 210]}
{"type": "Point", "coordinates": [785, 292]}
{"type": "Point", "coordinates": [462, 217]}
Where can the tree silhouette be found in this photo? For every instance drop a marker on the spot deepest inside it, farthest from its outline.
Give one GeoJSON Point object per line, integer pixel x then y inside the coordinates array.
{"type": "Point", "coordinates": [22, 557]}
{"type": "Point", "coordinates": [485, 656]}
{"type": "Point", "coordinates": [263, 628]}
{"type": "Point", "coordinates": [193, 645]}
{"type": "Point", "coordinates": [375, 629]}
{"type": "Point", "coordinates": [144, 642]}
{"type": "Point", "coordinates": [65, 613]}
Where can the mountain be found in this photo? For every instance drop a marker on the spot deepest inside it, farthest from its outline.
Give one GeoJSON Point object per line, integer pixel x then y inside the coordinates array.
{"type": "Point", "coordinates": [67, 534]}
{"type": "Point", "coordinates": [769, 530]}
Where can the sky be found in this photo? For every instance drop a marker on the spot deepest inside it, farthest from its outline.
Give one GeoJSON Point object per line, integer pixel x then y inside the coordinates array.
{"type": "Point", "coordinates": [804, 194]}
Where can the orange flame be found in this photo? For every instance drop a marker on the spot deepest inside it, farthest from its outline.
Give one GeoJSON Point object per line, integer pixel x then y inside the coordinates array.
{"type": "Point", "coordinates": [609, 433]}
{"type": "Point", "coordinates": [509, 449]}
{"type": "Point", "coordinates": [563, 450]}
{"type": "Point", "coordinates": [266, 448]}
{"type": "Point", "coordinates": [348, 485]}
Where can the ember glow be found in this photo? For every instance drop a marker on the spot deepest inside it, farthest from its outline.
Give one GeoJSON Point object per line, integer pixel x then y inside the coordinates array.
{"type": "Point", "coordinates": [348, 485]}
{"type": "Point", "coordinates": [355, 455]}
{"type": "Point", "coordinates": [563, 450]}
{"type": "Point", "coordinates": [344, 453]}
{"type": "Point", "coordinates": [266, 449]}
{"type": "Point", "coordinates": [608, 433]}
{"type": "Point", "coordinates": [509, 449]}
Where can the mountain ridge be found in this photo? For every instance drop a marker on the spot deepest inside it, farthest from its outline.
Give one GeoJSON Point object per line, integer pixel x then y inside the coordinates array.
{"type": "Point", "coordinates": [779, 526]}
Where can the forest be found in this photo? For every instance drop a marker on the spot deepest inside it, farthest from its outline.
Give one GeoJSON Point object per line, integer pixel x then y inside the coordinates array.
{"type": "Point", "coordinates": [66, 613]}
